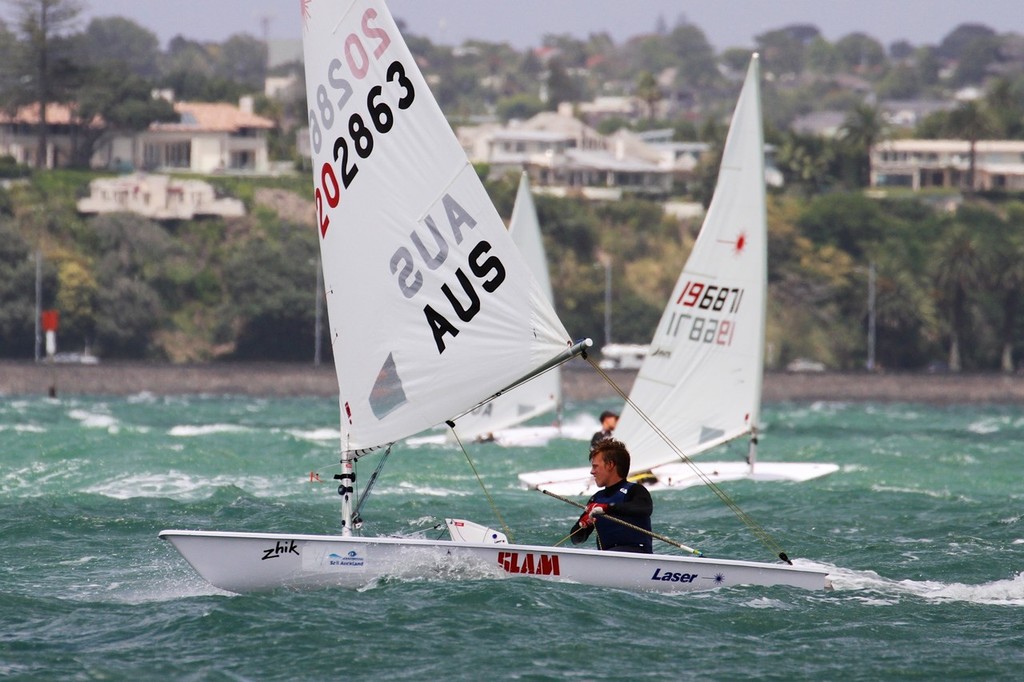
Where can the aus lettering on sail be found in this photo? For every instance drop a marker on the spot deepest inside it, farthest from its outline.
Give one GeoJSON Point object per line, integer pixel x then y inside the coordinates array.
{"type": "Point", "coordinates": [440, 236]}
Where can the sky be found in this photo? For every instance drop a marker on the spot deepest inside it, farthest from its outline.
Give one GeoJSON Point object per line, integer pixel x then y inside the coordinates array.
{"type": "Point", "coordinates": [522, 23]}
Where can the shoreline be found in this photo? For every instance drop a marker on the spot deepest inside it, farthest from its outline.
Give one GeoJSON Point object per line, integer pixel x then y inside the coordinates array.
{"type": "Point", "coordinates": [579, 381]}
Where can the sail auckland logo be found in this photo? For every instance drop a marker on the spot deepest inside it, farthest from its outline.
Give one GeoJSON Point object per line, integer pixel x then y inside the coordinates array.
{"type": "Point", "coordinates": [350, 559]}
{"type": "Point", "coordinates": [529, 563]}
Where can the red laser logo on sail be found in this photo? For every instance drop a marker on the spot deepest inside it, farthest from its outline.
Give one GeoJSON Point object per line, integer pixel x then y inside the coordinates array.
{"type": "Point", "coordinates": [738, 244]}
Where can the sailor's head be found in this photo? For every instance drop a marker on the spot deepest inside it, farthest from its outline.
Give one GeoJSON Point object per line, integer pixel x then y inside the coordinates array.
{"type": "Point", "coordinates": [610, 458]}
{"type": "Point", "coordinates": [609, 420]}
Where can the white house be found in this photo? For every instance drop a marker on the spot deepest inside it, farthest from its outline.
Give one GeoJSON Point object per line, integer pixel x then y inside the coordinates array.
{"type": "Point", "coordinates": [157, 196]}
{"type": "Point", "coordinates": [209, 137]}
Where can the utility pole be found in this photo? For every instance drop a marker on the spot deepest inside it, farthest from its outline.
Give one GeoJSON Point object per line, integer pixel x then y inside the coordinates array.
{"type": "Point", "coordinates": [871, 316]}
{"type": "Point", "coordinates": [39, 298]}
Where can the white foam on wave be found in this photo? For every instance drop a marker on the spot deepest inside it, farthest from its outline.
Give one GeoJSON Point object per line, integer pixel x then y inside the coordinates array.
{"type": "Point", "coordinates": [190, 431]}
{"type": "Point", "coordinates": [184, 487]}
{"type": "Point", "coordinates": [880, 590]}
{"type": "Point", "coordinates": [406, 488]}
{"type": "Point", "coordinates": [315, 435]}
{"type": "Point", "coordinates": [95, 420]}
{"type": "Point", "coordinates": [22, 428]}
{"type": "Point", "coordinates": [938, 494]}
{"type": "Point", "coordinates": [986, 426]}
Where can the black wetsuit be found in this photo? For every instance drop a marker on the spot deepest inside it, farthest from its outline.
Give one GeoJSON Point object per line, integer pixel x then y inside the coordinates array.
{"type": "Point", "coordinates": [630, 502]}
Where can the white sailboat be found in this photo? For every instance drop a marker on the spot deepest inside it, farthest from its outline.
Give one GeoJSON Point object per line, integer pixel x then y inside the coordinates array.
{"type": "Point", "coordinates": [498, 420]}
{"type": "Point", "coordinates": [700, 382]}
{"type": "Point", "coordinates": [432, 310]}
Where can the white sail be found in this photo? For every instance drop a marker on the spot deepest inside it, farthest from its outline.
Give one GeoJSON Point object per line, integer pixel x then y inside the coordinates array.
{"type": "Point", "coordinates": [411, 221]}
{"type": "Point", "coordinates": [700, 382]}
{"type": "Point", "coordinates": [424, 284]}
{"type": "Point", "coordinates": [701, 379]}
{"type": "Point", "coordinates": [544, 393]}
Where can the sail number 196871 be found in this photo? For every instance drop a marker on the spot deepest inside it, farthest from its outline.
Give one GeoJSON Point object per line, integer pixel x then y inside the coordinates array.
{"type": "Point", "coordinates": [707, 306]}
{"type": "Point", "coordinates": [356, 139]}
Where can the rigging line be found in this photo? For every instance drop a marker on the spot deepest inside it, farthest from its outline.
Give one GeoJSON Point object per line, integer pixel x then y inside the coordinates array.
{"type": "Point", "coordinates": [365, 494]}
{"type": "Point", "coordinates": [759, 532]}
{"type": "Point", "coordinates": [569, 536]}
{"type": "Point", "coordinates": [627, 524]}
{"type": "Point", "coordinates": [479, 480]}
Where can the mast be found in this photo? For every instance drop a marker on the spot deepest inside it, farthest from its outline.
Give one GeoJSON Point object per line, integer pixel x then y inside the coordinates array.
{"type": "Point", "coordinates": [346, 488]}
{"type": "Point", "coordinates": [754, 83]}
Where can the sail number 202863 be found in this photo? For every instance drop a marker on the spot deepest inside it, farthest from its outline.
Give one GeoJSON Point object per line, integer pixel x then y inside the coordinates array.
{"type": "Point", "coordinates": [356, 134]}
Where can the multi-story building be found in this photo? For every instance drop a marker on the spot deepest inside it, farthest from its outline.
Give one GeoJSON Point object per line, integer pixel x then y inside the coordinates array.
{"type": "Point", "coordinates": [208, 137]}
{"type": "Point", "coordinates": [920, 164]}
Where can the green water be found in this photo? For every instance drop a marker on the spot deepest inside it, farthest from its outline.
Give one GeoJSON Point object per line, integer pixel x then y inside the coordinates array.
{"type": "Point", "coordinates": [921, 531]}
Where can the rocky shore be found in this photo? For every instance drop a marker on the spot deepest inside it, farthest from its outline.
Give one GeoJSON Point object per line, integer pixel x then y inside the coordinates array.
{"type": "Point", "coordinates": [580, 382]}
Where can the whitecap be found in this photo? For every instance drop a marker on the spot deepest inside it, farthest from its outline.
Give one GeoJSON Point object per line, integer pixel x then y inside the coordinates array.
{"type": "Point", "coordinates": [188, 431]}
{"type": "Point", "coordinates": [886, 591]}
{"type": "Point", "coordinates": [93, 420]}
{"type": "Point", "coordinates": [316, 435]}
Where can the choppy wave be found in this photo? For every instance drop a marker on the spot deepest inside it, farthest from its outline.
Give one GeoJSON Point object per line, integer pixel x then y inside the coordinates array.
{"type": "Point", "coordinates": [878, 589]}
{"type": "Point", "coordinates": [183, 486]}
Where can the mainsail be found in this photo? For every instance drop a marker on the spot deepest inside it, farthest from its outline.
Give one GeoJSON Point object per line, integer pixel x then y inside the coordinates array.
{"type": "Point", "coordinates": [701, 380]}
{"type": "Point", "coordinates": [432, 309]}
{"type": "Point", "coordinates": [544, 393]}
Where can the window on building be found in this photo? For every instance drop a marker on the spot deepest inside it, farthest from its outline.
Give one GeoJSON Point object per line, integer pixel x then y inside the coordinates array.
{"type": "Point", "coordinates": [244, 160]}
{"type": "Point", "coordinates": [178, 154]}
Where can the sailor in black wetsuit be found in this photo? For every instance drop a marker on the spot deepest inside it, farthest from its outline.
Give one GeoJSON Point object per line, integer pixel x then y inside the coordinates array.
{"type": "Point", "coordinates": [631, 502]}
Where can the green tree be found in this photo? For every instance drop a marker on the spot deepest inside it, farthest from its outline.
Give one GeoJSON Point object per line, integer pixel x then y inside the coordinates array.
{"type": "Point", "coordinates": [848, 221]}
{"type": "Point", "coordinates": [1004, 102]}
{"type": "Point", "coordinates": [17, 292]}
{"type": "Point", "coordinates": [863, 129]}
{"type": "Point", "coordinates": [116, 40]}
{"type": "Point", "coordinates": [46, 57]}
{"type": "Point", "coordinates": [957, 267]}
{"type": "Point", "coordinates": [122, 100]}
{"type": "Point", "coordinates": [956, 41]}
{"type": "Point", "coordinates": [1003, 244]}
{"type": "Point", "coordinates": [272, 282]}
{"type": "Point", "coordinates": [860, 52]}
{"type": "Point", "coordinates": [970, 122]}
{"type": "Point", "coordinates": [693, 56]}
{"type": "Point", "coordinates": [784, 49]}
{"type": "Point", "coordinates": [648, 90]}
{"type": "Point", "coordinates": [519, 107]}
{"type": "Point", "coordinates": [242, 59]}
{"type": "Point", "coordinates": [974, 62]}
{"type": "Point", "coordinates": [128, 314]}
{"type": "Point", "coordinates": [822, 56]}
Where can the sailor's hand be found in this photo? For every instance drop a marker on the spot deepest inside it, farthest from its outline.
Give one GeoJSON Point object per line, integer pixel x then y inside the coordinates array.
{"type": "Point", "coordinates": [593, 509]}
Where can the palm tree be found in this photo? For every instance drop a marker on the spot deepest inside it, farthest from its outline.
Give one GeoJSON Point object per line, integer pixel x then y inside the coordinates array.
{"type": "Point", "coordinates": [862, 129]}
{"type": "Point", "coordinates": [1005, 260]}
{"type": "Point", "coordinates": [647, 90]}
{"type": "Point", "coordinates": [957, 274]}
{"type": "Point", "coordinates": [970, 122]}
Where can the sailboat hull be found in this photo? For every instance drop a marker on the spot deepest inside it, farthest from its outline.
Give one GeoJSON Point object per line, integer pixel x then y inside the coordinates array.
{"type": "Point", "coordinates": [254, 562]}
{"type": "Point", "coordinates": [675, 476]}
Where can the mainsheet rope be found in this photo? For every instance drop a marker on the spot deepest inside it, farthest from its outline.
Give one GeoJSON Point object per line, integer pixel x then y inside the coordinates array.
{"type": "Point", "coordinates": [756, 528]}
{"type": "Point", "coordinates": [487, 494]}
